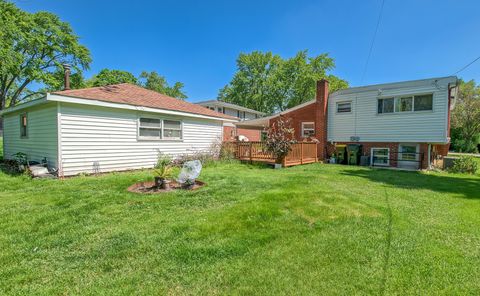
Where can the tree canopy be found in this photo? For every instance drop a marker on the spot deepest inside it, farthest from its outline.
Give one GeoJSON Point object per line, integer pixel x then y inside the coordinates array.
{"type": "Point", "coordinates": [149, 80]}
{"type": "Point", "coordinates": [268, 83]}
{"type": "Point", "coordinates": [154, 81]}
{"type": "Point", "coordinates": [465, 130]}
{"type": "Point", "coordinates": [33, 47]}
{"type": "Point", "coordinates": [107, 77]}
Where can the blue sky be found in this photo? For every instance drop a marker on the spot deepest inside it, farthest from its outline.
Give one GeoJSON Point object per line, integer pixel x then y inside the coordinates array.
{"type": "Point", "coordinates": [197, 42]}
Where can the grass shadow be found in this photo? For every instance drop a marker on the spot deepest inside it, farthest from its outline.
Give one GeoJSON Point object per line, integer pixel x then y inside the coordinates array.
{"type": "Point", "coordinates": [468, 186]}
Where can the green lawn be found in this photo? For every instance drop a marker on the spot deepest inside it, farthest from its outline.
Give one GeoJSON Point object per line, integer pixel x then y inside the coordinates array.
{"type": "Point", "coordinates": [314, 229]}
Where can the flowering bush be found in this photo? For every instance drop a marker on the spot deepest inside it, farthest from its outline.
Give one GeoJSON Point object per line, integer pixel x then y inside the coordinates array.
{"type": "Point", "coordinates": [280, 137]}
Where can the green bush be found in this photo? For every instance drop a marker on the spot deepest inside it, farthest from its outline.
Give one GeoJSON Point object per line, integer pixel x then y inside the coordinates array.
{"type": "Point", "coordinates": [465, 164]}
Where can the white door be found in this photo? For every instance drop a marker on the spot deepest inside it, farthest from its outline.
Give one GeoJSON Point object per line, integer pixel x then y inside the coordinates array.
{"type": "Point", "coordinates": [408, 156]}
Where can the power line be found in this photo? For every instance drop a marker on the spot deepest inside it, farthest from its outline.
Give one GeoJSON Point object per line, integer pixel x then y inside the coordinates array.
{"type": "Point", "coordinates": [466, 66]}
{"type": "Point", "coordinates": [373, 40]}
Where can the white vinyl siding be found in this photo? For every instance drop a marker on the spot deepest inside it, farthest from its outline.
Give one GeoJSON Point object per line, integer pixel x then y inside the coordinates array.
{"type": "Point", "coordinates": [41, 138]}
{"type": "Point", "coordinates": [104, 139]}
{"type": "Point", "coordinates": [428, 126]}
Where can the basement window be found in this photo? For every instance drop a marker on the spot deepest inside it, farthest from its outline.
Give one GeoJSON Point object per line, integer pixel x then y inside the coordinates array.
{"type": "Point", "coordinates": [344, 107]}
{"type": "Point", "coordinates": [308, 129]}
{"type": "Point", "coordinates": [380, 156]}
{"type": "Point", "coordinates": [23, 125]}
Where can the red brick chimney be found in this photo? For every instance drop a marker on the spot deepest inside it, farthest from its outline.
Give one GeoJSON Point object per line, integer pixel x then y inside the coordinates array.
{"type": "Point", "coordinates": [66, 85]}
{"type": "Point", "coordinates": [321, 117]}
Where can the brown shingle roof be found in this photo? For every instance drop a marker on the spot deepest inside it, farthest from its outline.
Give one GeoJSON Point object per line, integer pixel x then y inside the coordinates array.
{"type": "Point", "coordinates": [126, 93]}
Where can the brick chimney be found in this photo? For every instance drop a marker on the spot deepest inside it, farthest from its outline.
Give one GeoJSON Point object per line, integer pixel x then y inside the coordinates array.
{"type": "Point", "coordinates": [321, 117]}
{"type": "Point", "coordinates": [66, 77]}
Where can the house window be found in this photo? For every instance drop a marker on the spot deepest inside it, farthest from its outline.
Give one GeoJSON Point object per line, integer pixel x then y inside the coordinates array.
{"type": "Point", "coordinates": [150, 129]}
{"type": "Point", "coordinates": [344, 107]}
{"type": "Point", "coordinates": [23, 125]}
{"type": "Point", "coordinates": [172, 129]}
{"type": "Point", "coordinates": [386, 105]}
{"type": "Point", "coordinates": [408, 152]}
{"type": "Point", "coordinates": [380, 156]}
{"type": "Point", "coordinates": [308, 129]}
{"type": "Point", "coordinates": [423, 103]}
{"type": "Point", "coordinates": [405, 104]}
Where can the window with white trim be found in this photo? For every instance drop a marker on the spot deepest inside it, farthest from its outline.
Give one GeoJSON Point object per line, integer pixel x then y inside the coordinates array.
{"type": "Point", "coordinates": [150, 129]}
{"type": "Point", "coordinates": [159, 129]}
{"type": "Point", "coordinates": [308, 129]}
{"type": "Point", "coordinates": [344, 107]}
{"type": "Point", "coordinates": [23, 125]}
{"type": "Point", "coordinates": [405, 104]}
{"type": "Point", "coordinates": [172, 129]}
{"type": "Point", "coordinates": [380, 156]}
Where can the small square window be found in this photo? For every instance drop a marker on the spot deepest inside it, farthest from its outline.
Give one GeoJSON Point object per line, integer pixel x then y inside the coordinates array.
{"type": "Point", "coordinates": [404, 104]}
{"type": "Point", "coordinates": [344, 107]}
{"type": "Point", "coordinates": [172, 129]}
{"type": "Point", "coordinates": [386, 105]}
{"type": "Point", "coordinates": [380, 156]}
{"type": "Point", "coordinates": [308, 129]}
{"type": "Point", "coordinates": [423, 103]}
{"type": "Point", "coordinates": [150, 129]}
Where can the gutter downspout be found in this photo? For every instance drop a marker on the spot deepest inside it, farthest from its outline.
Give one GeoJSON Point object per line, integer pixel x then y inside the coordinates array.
{"type": "Point", "coordinates": [429, 167]}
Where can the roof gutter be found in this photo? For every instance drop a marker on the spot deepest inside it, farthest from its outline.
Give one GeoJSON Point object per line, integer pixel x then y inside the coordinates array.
{"type": "Point", "coordinates": [24, 105]}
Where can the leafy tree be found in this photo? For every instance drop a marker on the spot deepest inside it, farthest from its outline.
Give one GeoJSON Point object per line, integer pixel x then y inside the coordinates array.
{"type": "Point", "coordinates": [56, 81]}
{"type": "Point", "coordinates": [466, 118]}
{"type": "Point", "coordinates": [268, 83]}
{"type": "Point", "coordinates": [108, 77]}
{"type": "Point", "coordinates": [154, 81]}
{"type": "Point", "coordinates": [33, 46]}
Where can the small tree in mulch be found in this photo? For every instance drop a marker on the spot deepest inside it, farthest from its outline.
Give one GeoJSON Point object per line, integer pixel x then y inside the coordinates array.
{"type": "Point", "coordinates": [280, 137]}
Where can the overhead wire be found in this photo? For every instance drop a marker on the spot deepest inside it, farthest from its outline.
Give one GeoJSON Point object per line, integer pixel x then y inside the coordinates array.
{"type": "Point", "coordinates": [373, 41]}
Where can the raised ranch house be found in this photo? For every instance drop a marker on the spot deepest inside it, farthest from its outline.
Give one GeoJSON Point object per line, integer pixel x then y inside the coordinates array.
{"type": "Point", "coordinates": [402, 124]}
{"type": "Point", "coordinates": [230, 132]}
{"type": "Point", "coordinates": [110, 128]}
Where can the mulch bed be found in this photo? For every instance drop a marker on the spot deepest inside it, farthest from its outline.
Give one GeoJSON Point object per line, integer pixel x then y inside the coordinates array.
{"type": "Point", "coordinates": [149, 187]}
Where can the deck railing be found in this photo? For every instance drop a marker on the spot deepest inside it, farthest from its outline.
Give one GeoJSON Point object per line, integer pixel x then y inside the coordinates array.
{"type": "Point", "coordinates": [301, 153]}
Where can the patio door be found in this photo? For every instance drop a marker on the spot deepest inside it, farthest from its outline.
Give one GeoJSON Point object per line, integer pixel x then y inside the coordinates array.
{"type": "Point", "coordinates": [408, 156]}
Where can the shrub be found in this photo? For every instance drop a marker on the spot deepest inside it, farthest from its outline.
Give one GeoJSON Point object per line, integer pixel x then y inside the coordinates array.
{"type": "Point", "coordinates": [465, 164]}
{"type": "Point", "coordinates": [163, 168]}
{"type": "Point", "coordinates": [280, 137]}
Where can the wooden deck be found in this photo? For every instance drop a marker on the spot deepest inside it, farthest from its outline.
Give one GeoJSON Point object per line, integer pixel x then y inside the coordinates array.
{"type": "Point", "coordinates": [301, 153]}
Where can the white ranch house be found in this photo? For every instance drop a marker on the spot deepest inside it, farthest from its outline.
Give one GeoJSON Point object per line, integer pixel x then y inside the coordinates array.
{"type": "Point", "coordinates": [111, 128]}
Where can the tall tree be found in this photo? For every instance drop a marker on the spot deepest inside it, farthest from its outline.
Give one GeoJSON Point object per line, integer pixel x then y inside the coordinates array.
{"type": "Point", "coordinates": [268, 83]}
{"type": "Point", "coordinates": [33, 46]}
{"type": "Point", "coordinates": [107, 77]}
{"type": "Point", "coordinates": [466, 118]}
{"type": "Point", "coordinates": [154, 81]}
